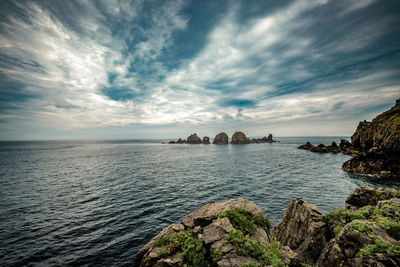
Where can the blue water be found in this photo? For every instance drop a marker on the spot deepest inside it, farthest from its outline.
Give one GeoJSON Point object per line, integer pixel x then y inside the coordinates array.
{"type": "Point", "coordinates": [98, 202]}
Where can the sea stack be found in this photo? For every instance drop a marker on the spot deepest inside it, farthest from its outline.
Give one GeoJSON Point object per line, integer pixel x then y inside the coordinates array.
{"type": "Point", "coordinates": [206, 140]}
{"type": "Point", "coordinates": [239, 138]}
{"type": "Point", "coordinates": [221, 139]}
{"type": "Point", "coordinates": [193, 139]}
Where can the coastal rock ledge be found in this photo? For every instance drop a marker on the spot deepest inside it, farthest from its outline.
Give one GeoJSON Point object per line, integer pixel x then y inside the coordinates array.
{"type": "Point", "coordinates": [235, 233]}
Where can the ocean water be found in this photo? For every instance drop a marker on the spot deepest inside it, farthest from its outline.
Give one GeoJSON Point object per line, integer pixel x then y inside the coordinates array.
{"type": "Point", "coordinates": [97, 203]}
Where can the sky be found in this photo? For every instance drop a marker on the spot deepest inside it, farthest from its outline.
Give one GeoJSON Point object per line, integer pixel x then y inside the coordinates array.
{"type": "Point", "coordinates": [110, 69]}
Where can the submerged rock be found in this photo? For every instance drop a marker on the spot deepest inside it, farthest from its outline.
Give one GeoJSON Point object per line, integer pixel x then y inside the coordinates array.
{"type": "Point", "coordinates": [206, 140]}
{"type": "Point", "coordinates": [221, 139]}
{"type": "Point", "coordinates": [239, 138]}
{"type": "Point", "coordinates": [193, 139]}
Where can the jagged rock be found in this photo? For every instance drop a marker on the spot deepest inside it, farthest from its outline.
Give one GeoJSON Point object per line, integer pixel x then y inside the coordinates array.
{"type": "Point", "coordinates": [263, 140]}
{"type": "Point", "coordinates": [193, 139]}
{"type": "Point", "coordinates": [221, 139]}
{"type": "Point", "coordinates": [379, 144]}
{"type": "Point", "coordinates": [206, 140]}
{"type": "Point", "coordinates": [171, 142]}
{"type": "Point", "coordinates": [307, 146]}
{"type": "Point", "coordinates": [269, 139]}
{"type": "Point", "coordinates": [210, 231]}
{"type": "Point", "coordinates": [180, 141]}
{"type": "Point", "coordinates": [239, 138]}
{"type": "Point", "coordinates": [303, 230]}
{"type": "Point", "coordinates": [360, 197]}
{"type": "Point", "coordinates": [321, 148]}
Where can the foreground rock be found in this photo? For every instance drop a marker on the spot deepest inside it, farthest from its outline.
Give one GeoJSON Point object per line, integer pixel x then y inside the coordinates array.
{"type": "Point", "coordinates": [221, 139]}
{"type": "Point", "coordinates": [235, 233]}
{"type": "Point", "coordinates": [365, 233]}
{"type": "Point", "coordinates": [239, 138]}
{"type": "Point", "coordinates": [303, 229]}
{"type": "Point", "coordinates": [218, 234]}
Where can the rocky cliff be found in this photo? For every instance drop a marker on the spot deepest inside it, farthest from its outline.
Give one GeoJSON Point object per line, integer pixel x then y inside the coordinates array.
{"type": "Point", "coordinates": [235, 233]}
{"type": "Point", "coordinates": [379, 144]}
{"type": "Point", "coordinates": [375, 146]}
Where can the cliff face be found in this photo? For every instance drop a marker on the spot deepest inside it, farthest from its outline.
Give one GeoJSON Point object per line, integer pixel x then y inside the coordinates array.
{"type": "Point", "coordinates": [383, 133]}
{"type": "Point", "coordinates": [235, 233]}
{"type": "Point", "coordinates": [379, 145]}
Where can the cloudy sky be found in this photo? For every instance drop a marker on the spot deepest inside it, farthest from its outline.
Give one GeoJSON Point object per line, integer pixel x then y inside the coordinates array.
{"type": "Point", "coordinates": [150, 69]}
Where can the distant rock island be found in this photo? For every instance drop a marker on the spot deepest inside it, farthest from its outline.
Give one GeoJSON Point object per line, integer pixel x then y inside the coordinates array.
{"type": "Point", "coordinates": [238, 138]}
{"type": "Point", "coordinates": [375, 146]}
{"type": "Point", "coordinates": [235, 233]}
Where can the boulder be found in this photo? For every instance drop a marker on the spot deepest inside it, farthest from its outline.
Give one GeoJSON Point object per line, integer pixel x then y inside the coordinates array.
{"type": "Point", "coordinates": [239, 138]}
{"type": "Point", "coordinates": [303, 230]}
{"type": "Point", "coordinates": [221, 139]}
{"type": "Point", "coordinates": [203, 239]}
{"type": "Point", "coordinates": [321, 148]}
{"type": "Point", "coordinates": [206, 140]}
{"type": "Point", "coordinates": [193, 139]}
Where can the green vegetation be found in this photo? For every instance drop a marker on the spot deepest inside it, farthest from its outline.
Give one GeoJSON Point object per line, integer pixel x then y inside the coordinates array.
{"type": "Point", "coordinates": [346, 215]}
{"type": "Point", "coordinates": [243, 221]}
{"type": "Point", "coordinates": [390, 192]}
{"type": "Point", "coordinates": [268, 254]}
{"type": "Point", "coordinates": [392, 227]}
{"type": "Point", "coordinates": [380, 246]}
{"type": "Point", "coordinates": [163, 253]}
{"type": "Point", "coordinates": [217, 253]}
{"type": "Point", "coordinates": [250, 264]}
{"type": "Point", "coordinates": [161, 242]}
{"type": "Point", "coordinates": [192, 249]}
{"type": "Point", "coordinates": [337, 229]}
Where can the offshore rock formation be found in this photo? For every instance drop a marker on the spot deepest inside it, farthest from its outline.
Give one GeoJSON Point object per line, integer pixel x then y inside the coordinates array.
{"type": "Point", "coordinates": [235, 233]}
{"type": "Point", "coordinates": [379, 144]}
{"type": "Point", "coordinates": [265, 139]}
{"type": "Point", "coordinates": [375, 146]}
{"type": "Point", "coordinates": [193, 139]}
{"type": "Point", "coordinates": [206, 140]}
{"type": "Point", "coordinates": [221, 139]}
{"type": "Point", "coordinates": [239, 138]}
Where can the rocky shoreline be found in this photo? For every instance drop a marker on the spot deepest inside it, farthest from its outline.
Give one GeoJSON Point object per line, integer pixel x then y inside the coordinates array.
{"type": "Point", "coordinates": [375, 146]}
{"type": "Point", "coordinates": [238, 138]}
{"type": "Point", "coordinates": [235, 233]}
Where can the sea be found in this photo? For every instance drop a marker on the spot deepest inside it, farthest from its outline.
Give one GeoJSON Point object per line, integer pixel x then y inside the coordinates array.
{"type": "Point", "coordinates": [96, 203]}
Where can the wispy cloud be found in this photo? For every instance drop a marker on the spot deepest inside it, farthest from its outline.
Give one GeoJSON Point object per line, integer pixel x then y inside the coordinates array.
{"type": "Point", "coordinates": [77, 65]}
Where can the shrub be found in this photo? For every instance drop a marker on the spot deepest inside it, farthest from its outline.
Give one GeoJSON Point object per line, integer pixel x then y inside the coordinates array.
{"type": "Point", "coordinates": [243, 221]}
{"type": "Point", "coordinates": [337, 229]}
{"type": "Point", "coordinates": [392, 227]}
{"type": "Point", "coordinates": [380, 246]}
{"type": "Point", "coordinates": [268, 254]}
{"type": "Point", "coordinates": [193, 250]}
{"type": "Point", "coordinates": [162, 241]}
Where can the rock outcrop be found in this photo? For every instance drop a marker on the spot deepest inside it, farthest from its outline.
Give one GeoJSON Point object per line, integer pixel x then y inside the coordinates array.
{"type": "Point", "coordinates": [193, 139]}
{"type": "Point", "coordinates": [206, 140]}
{"type": "Point", "coordinates": [265, 139]}
{"type": "Point", "coordinates": [379, 144]}
{"type": "Point", "coordinates": [227, 233]}
{"type": "Point", "coordinates": [375, 146]}
{"type": "Point", "coordinates": [235, 233]}
{"type": "Point", "coordinates": [239, 138]}
{"type": "Point", "coordinates": [303, 230]}
{"type": "Point", "coordinates": [221, 139]}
